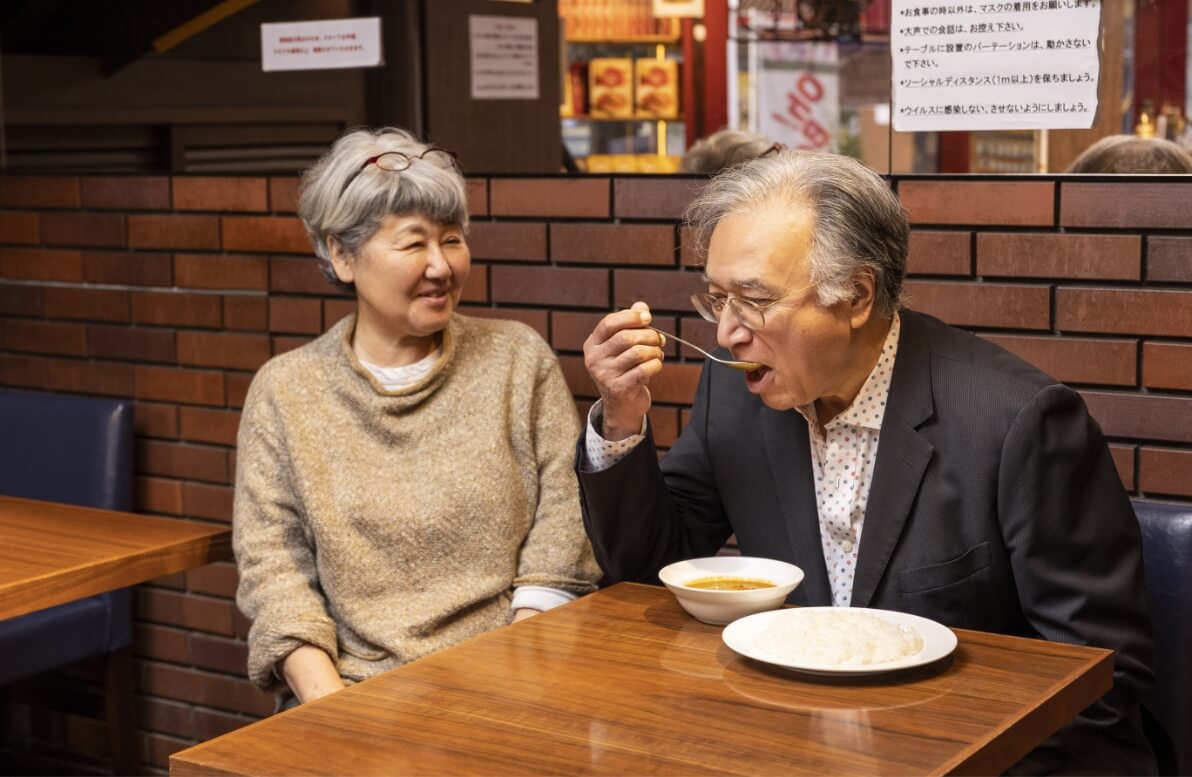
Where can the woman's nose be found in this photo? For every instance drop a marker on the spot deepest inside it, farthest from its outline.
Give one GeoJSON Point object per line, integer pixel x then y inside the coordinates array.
{"type": "Point", "coordinates": [436, 263]}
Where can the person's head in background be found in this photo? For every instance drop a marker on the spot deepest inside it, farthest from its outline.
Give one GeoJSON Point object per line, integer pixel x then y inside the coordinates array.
{"type": "Point", "coordinates": [723, 149]}
{"type": "Point", "coordinates": [1132, 154]}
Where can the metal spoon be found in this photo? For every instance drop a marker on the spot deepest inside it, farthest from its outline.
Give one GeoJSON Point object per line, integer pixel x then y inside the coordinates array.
{"type": "Point", "coordinates": [736, 365]}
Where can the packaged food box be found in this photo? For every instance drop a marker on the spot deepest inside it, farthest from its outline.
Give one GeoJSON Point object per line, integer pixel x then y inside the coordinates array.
{"type": "Point", "coordinates": [657, 87]}
{"type": "Point", "coordinates": [610, 88]}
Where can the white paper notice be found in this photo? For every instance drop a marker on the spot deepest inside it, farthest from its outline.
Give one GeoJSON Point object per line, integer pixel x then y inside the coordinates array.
{"type": "Point", "coordinates": [504, 57]}
{"type": "Point", "coordinates": [325, 44]}
{"type": "Point", "coordinates": [1014, 64]}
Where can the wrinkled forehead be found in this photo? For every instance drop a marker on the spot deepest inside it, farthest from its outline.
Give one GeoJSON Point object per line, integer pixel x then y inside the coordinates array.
{"type": "Point", "coordinates": [764, 248]}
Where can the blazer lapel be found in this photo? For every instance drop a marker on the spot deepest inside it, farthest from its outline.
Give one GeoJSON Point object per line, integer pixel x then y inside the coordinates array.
{"type": "Point", "coordinates": [902, 459]}
{"type": "Point", "coordinates": [785, 438]}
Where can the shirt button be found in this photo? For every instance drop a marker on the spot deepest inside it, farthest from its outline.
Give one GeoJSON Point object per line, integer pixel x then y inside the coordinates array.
{"type": "Point", "coordinates": [846, 546]}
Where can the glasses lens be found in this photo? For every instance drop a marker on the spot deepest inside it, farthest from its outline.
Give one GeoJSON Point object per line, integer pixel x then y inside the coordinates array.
{"type": "Point", "coordinates": [708, 306]}
{"type": "Point", "coordinates": [747, 313]}
{"type": "Point", "coordinates": [439, 157]}
{"type": "Point", "coordinates": [393, 161]}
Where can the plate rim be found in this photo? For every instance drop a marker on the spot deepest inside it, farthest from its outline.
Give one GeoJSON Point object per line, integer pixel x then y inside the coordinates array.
{"type": "Point", "coordinates": [924, 626]}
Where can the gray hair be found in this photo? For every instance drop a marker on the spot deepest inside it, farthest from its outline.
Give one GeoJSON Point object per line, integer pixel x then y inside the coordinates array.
{"type": "Point", "coordinates": [723, 149]}
{"type": "Point", "coordinates": [345, 198]}
{"type": "Point", "coordinates": [857, 220]}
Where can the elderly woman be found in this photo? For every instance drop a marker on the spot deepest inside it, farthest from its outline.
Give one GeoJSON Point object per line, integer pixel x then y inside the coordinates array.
{"type": "Point", "coordinates": [403, 482]}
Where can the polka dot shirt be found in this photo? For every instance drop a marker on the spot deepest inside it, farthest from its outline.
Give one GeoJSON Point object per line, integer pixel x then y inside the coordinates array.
{"type": "Point", "coordinates": [843, 454]}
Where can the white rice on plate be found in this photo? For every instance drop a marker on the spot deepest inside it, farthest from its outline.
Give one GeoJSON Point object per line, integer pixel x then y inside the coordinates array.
{"type": "Point", "coordinates": [837, 637]}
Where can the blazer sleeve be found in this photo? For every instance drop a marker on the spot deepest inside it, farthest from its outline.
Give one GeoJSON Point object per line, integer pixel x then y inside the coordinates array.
{"type": "Point", "coordinates": [1076, 550]}
{"type": "Point", "coordinates": [641, 516]}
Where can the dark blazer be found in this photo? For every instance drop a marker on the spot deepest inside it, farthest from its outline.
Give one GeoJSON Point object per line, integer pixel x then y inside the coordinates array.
{"type": "Point", "coordinates": [995, 505]}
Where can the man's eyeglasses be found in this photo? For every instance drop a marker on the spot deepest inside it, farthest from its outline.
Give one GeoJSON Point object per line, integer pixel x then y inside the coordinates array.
{"type": "Point", "coordinates": [752, 315]}
{"type": "Point", "coordinates": [396, 161]}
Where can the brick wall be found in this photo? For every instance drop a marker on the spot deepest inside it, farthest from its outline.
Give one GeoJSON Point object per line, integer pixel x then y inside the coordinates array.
{"type": "Point", "coordinates": [173, 290]}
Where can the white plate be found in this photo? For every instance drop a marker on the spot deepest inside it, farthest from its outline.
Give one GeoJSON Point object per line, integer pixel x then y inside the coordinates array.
{"type": "Point", "coordinates": [741, 636]}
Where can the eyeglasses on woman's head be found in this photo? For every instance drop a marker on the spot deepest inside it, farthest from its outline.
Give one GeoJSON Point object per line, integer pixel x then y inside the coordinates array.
{"type": "Point", "coordinates": [397, 161]}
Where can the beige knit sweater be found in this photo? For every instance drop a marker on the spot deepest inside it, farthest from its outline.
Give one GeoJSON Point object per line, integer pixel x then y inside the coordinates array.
{"type": "Point", "coordinates": [381, 526]}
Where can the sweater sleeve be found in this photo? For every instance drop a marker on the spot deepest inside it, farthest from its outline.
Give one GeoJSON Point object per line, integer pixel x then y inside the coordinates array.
{"type": "Point", "coordinates": [279, 587]}
{"type": "Point", "coordinates": [556, 552]}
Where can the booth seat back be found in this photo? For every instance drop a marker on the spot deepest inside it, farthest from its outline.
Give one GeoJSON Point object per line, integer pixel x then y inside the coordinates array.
{"type": "Point", "coordinates": [75, 449]}
{"type": "Point", "coordinates": [1167, 563]}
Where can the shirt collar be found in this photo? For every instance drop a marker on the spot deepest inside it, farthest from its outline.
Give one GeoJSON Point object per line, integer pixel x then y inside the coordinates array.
{"type": "Point", "coordinates": [868, 407]}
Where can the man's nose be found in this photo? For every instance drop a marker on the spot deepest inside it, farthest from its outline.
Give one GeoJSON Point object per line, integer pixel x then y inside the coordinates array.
{"type": "Point", "coordinates": [729, 329]}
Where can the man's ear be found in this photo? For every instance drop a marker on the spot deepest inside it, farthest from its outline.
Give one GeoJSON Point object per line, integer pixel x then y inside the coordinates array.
{"type": "Point", "coordinates": [340, 261]}
{"type": "Point", "coordinates": [864, 295]}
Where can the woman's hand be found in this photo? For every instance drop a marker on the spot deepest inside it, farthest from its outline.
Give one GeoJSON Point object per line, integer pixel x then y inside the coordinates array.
{"type": "Point", "coordinates": [310, 673]}
{"type": "Point", "coordinates": [622, 355]}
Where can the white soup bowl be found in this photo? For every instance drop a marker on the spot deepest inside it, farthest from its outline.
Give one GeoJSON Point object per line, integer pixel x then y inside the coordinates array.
{"type": "Point", "coordinates": [719, 607]}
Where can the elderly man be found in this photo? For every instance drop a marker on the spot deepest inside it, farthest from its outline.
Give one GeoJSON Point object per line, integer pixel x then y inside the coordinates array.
{"type": "Point", "coordinates": [902, 463]}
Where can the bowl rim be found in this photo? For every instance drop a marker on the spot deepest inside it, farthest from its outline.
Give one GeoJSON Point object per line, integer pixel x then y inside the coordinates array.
{"type": "Point", "coordinates": [795, 571]}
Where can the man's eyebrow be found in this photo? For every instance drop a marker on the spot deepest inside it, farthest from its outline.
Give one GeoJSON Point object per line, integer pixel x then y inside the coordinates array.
{"type": "Point", "coordinates": [746, 284]}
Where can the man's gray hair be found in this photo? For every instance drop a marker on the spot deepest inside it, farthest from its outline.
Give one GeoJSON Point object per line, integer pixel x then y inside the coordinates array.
{"type": "Point", "coordinates": [857, 220]}
{"type": "Point", "coordinates": [345, 198]}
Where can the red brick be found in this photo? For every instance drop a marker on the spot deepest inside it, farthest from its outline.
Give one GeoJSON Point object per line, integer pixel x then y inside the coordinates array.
{"type": "Point", "coordinates": [1124, 311]}
{"type": "Point", "coordinates": [1077, 360]}
{"type": "Point", "coordinates": [205, 425]}
{"type": "Point", "coordinates": [299, 276]}
{"type": "Point", "coordinates": [613, 243]}
{"type": "Point", "coordinates": [20, 300]}
{"type": "Point", "coordinates": [1010, 306]}
{"type": "Point", "coordinates": [1147, 417]}
{"type": "Point", "coordinates": [236, 386]}
{"type": "Point", "coordinates": [108, 378]}
{"type": "Point", "coordinates": [295, 314]}
{"type": "Point", "coordinates": [127, 192]}
{"type": "Point", "coordinates": [569, 330]}
{"type": "Point", "coordinates": [1169, 259]}
{"type": "Point", "coordinates": [194, 232]}
{"type": "Point", "coordinates": [660, 289]}
{"type": "Point", "coordinates": [1023, 255]}
{"type": "Point", "coordinates": [23, 371]}
{"type": "Point", "coordinates": [19, 227]}
{"type": "Point", "coordinates": [690, 254]}
{"type": "Point", "coordinates": [175, 582]}
{"type": "Point", "coordinates": [1131, 205]}
{"type": "Point", "coordinates": [219, 579]}
{"type": "Point", "coordinates": [246, 313]}
{"type": "Point", "coordinates": [283, 194]}
{"type": "Point", "coordinates": [200, 500]}
{"type": "Point", "coordinates": [133, 268]}
{"type": "Point", "coordinates": [168, 308]}
{"type": "Point", "coordinates": [219, 654]}
{"type": "Point", "coordinates": [1165, 471]}
{"type": "Point", "coordinates": [676, 383]}
{"type": "Point", "coordinates": [283, 343]}
{"type": "Point", "coordinates": [282, 234]}
{"type": "Point", "coordinates": [1167, 365]}
{"type": "Point", "coordinates": [1123, 461]}
{"type": "Point", "coordinates": [219, 193]}
{"type": "Point", "coordinates": [499, 240]}
{"type": "Point", "coordinates": [43, 337]}
{"type": "Point", "coordinates": [664, 421]}
{"type": "Point", "coordinates": [161, 642]}
{"type": "Point", "coordinates": [156, 749]}
{"type": "Point", "coordinates": [577, 377]}
{"type": "Point", "coordinates": [230, 350]}
{"type": "Point", "coordinates": [477, 192]}
{"type": "Point", "coordinates": [86, 737]}
{"type": "Point", "coordinates": [39, 191]}
{"type": "Point", "coordinates": [198, 387]}
{"type": "Point", "coordinates": [660, 197]}
{"type": "Point", "coordinates": [157, 495]}
{"type": "Point", "coordinates": [200, 271]}
{"type": "Point", "coordinates": [205, 688]}
{"type": "Point", "coordinates": [476, 286]}
{"type": "Point", "coordinates": [209, 724]}
{"type": "Point", "coordinates": [535, 319]}
{"type": "Point", "coordinates": [698, 331]}
{"type": "Point", "coordinates": [336, 309]}
{"type": "Point", "coordinates": [566, 197]}
{"type": "Point", "coordinates": [84, 229]}
{"type": "Point", "coordinates": [997, 203]}
{"type": "Point", "coordinates": [151, 419]}
{"type": "Point", "coordinates": [136, 344]}
{"type": "Point", "coordinates": [169, 608]}
{"type": "Point", "coordinates": [165, 717]}
{"type": "Point", "coordinates": [40, 264]}
{"type": "Point", "coordinates": [550, 286]}
{"type": "Point", "coordinates": [183, 461]}
{"type": "Point", "coordinates": [85, 304]}
{"type": "Point", "coordinates": [939, 253]}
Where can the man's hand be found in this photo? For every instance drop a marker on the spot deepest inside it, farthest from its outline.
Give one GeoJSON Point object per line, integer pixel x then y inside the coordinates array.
{"type": "Point", "coordinates": [622, 355]}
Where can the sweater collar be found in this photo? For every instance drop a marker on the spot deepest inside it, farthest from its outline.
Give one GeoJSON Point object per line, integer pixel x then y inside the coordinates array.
{"type": "Point", "coordinates": [341, 335]}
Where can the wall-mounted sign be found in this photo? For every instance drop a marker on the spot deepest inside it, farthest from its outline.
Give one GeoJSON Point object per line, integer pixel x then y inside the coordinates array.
{"type": "Point", "coordinates": [321, 45]}
{"type": "Point", "coordinates": [504, 53]}
{"type": "Point", "coordinates": [686, 8]}
{"type": "Point", "coordinates": [1028, 64]}
{"type": "Point", "coordinates": [798, 94]}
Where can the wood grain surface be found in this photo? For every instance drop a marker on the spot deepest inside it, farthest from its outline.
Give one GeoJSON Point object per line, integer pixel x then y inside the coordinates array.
{"type": "Point", "coordinates": [624, 682]}
{"type": "Point", "coordinates": [51, 553]}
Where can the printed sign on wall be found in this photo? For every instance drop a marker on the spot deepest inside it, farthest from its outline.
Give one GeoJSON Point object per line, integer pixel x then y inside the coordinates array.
{"type": "Point", "coordinates": [504, 57]}
{"type": "Point", "coordinates": [321, 45]}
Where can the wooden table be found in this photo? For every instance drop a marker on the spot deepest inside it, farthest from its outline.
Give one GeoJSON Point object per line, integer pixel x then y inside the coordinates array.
{"type": "Point", "coordinates": [51, 553]}
{"type": "Point", "coordinates": [625, 682]}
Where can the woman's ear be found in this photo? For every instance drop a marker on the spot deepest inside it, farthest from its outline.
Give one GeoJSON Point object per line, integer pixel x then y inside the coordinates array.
{"type": "Point", "coordinates": [864, 294]}
{"type": "Point", "coordinates": [340, 261]}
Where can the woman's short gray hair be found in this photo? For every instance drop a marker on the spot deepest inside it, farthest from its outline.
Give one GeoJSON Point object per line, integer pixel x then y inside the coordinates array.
{"type": "Point", "coordinates": [858, 222]}
{"type": "Point", "coordinates": [344, 197]}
